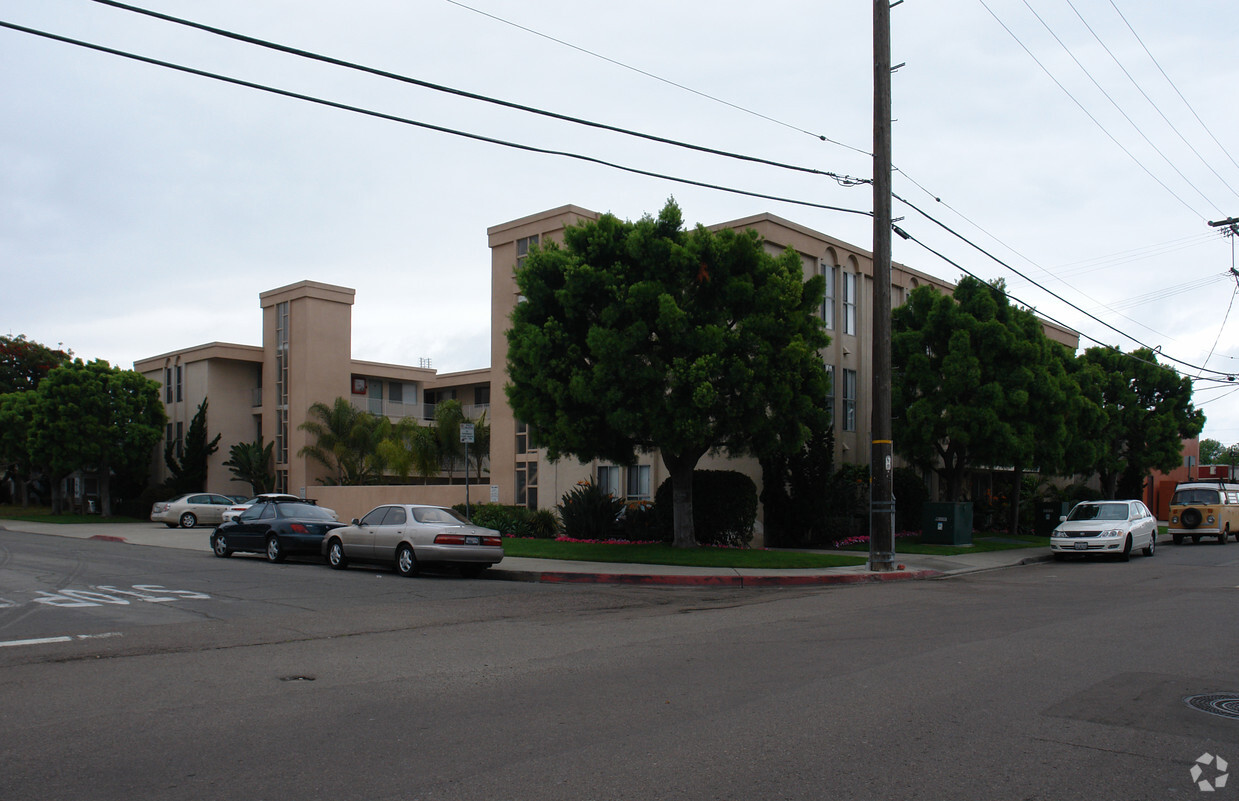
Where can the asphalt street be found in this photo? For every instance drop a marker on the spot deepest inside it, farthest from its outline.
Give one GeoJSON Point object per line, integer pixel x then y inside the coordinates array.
{"type": "Point", "coordinates": [132, 672]}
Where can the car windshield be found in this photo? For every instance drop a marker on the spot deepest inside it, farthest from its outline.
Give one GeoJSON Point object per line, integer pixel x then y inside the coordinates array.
{"type": "Point", "coordinates": [1099, 511]}
{"type": "Point", "coordinates": [1186, 497]}
{"type": "Point", "coordinates": [302, 511]}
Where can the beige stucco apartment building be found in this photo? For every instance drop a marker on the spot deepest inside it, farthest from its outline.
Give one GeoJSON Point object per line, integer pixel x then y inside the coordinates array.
{"type": "Point", "coordinates": [305, 357]}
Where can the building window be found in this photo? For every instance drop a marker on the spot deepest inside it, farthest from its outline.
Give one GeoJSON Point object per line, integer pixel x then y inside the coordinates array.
{"type": "Point", "coordinates": [376, 397]}
{"type": "Point", "coordinates": [527, 484]}
{"type": "Point", "coordinates": [395, 392]}
{"type": "Point", "coordinates": [171, 437]}
{"type": "Point", "coordinates": [167, 384]}
{"type": "Point", "coordinates": [481, 396]}
{"type": "Point", "coordinates": [180, 396]}
{"type": "Point", "coordinates": [830, 394]}
{"type": "Point", "coordinates": [831, 274]}
{"type": "Point", "coordinates": [179, 445]}
{"type": "Point", "coordinates": [609, 480]}
{"type": "Point", "coordinates": [639, 482]}
{"type": "Point", "coordinates": [281, 384]}
{"type": "Point", "coordinates": [522, 249]}
{"type": "Point", "coordinates": [281, 481]}
{"type": "Point", "coordinates": [849, 400]}
{"type": "Point", "coordinates": [849, 303]}
{"type": "Point", "coordinates": [524, 438]}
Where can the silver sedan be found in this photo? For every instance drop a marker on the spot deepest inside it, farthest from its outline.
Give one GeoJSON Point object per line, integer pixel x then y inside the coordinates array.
{"type": "Point", "coordinates": [1105, 527]}
{"type": "Point", "coordinates": [412, 535]}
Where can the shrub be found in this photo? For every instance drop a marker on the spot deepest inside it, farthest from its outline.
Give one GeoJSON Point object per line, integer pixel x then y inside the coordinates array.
{"type": "Point", "coordinates": [638, 522]}
{"type": "Point", "coordinates": [510, 521]}
{"type": "Point", "coordinates": [589, 513]}
{"type": "Point", "coordinates": [543, 524]}
{"type": "Point", "coordinates": [795, 494]}
{"type": "Point", "coordinates": [724, 508]}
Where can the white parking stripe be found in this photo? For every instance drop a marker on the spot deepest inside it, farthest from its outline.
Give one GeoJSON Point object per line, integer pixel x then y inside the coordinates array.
{"type": "Point", "coordinates": [48, 640]}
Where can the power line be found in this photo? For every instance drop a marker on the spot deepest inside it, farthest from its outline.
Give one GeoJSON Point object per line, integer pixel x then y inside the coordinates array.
{"type": "Point", "coordinates": [1119, 108]}
{"type": "Point", "coordinates": [842, 179]}
{"type": "Point", "coordinates": [1145, 94]}
{"type": "Point", "coordinates": [419, 124]}
{"type": "Point", "coordinates": [1172, 85]}
{"type": "Point", "coordinates": [1096, 122]}
{"type": "Point", "coordinates": [667, 81]}
{"type": "Point", "coordinates": [1035, 283]}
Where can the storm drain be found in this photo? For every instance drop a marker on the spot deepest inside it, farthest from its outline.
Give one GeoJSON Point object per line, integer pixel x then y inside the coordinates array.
{"type": "Point", "coordinates": [1223, 704]}
{"type": "Point", "coordinates": [307, 678]}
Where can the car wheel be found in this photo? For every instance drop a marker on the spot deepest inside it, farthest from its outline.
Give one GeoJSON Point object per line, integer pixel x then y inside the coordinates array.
{"type": "Point", "coordinates": [220, 546]}
{"type": "Point", "coordinates": [335, 555]}
{"type": "Point", "coordinates": [171, 525]}
{"type": "Point", "coordinates": [1152, 548]}
{"type": "Point", "coordinates": [1126, 554]}
{"type": "Point", "coordinates": [1060, 557]}
{"type": "Point", "coordinates": [1196, 538]}
{"type": "Point", "coordinates": [274, 552]}
{"type": "Point", "coordinates": [189, 520]}
{"type": "Point", "coordinates": [406, 562]}
{"type": "Point", "coordinates": [1221, 538]}
{"type": "Point", "coordinates": [472, 571]}
{"type": "Point", "coordinates": [1178, 539]}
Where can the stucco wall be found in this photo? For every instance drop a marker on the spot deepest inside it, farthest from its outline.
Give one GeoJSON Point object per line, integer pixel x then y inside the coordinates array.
{"type": "Point", "coordinates": [351, 502]}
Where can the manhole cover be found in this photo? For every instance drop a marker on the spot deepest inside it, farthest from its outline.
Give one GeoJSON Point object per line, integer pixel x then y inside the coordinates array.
{"type": "Point", "coordinates": [1223, 704]}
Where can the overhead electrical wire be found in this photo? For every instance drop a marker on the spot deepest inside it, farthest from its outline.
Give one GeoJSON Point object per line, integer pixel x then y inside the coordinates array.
{"type": "Point", "coordinates": [1120, 110]}
{"type": "Point", "coordinates": [1173, 86]}
{"type": "Point", "coordinates": [505, 143]}
{"type": "Point", "coordinates": [419, 124]}
{"type": "Point", "coordinates": [1152, 102]}
{"type": "Point", "coordinates": [1032, 281]}
{"type": "Point", "coordinates": [240, 37]}
{"type": "Point", "coordinates": [1089, 114]}
{"type": "Point", "coordinates": [667, 81]}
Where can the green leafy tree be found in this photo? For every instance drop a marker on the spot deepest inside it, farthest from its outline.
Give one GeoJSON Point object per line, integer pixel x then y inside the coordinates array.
{"type": "Point", "coordinates": [645, 336]}
{"type": "Point", "coordinates": [94, 416]}
{"type": "Point", "coordinates": [188, 469]}
{"type": "Point", "coordinates": [1213, 452]}
{"type": "Point", "coordinates": [16, 422]}
{"type": "Point", "coordinates": [960, 372]}
{"type": "Point", "coordinates": [24, 363]}
{"type": "Point", "coordinates": [346, 442]}
{"type": "Point", "coordinates": [479, 451]}
{"type": "Point", "coordinates": [1147, 412]}
{"type": "Point", "coordinates": [254, 463]}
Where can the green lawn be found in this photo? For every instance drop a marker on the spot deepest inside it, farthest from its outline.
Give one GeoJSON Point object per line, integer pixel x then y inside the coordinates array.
{"type": "Point", "coordinates": [43, 514]}
{"type": "Point", "coordinates": [666, 555]}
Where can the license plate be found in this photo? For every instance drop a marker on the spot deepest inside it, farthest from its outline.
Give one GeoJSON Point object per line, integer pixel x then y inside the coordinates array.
{"type": "Point", "coordinates": [1081, 546]}
{"type": "Point", "coordinates": [473, 540]}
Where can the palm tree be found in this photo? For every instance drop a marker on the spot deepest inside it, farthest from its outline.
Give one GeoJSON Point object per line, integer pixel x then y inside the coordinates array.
{"type": "Point", "coordinates": [251, 462]}
{"type": "Point", "coordinates": [411, 448]}
{"type": "Point", "coordinates": [346, 443]}
{"type": "Point", "coordinates": [448, 417]}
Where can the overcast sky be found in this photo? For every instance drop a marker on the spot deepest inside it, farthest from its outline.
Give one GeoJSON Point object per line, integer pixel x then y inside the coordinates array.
{"type": "Point", "coordinates": [143, 210]}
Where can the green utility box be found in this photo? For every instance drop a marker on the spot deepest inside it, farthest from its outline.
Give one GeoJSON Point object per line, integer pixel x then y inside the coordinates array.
{"type": "Point", "coordinates": [1048, 513]}
{"type": "Point", "coordinates": [947, 524]}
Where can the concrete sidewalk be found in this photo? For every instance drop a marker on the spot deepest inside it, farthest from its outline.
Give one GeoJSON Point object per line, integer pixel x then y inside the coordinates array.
{"type": "Point", "coordinates": [915, 566]}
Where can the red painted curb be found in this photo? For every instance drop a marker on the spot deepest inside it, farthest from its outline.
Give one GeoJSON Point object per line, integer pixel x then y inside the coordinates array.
{"type": "Point", "coordinates": [729, 581]}
{"type": "Point", "coordinates": [107, 538]}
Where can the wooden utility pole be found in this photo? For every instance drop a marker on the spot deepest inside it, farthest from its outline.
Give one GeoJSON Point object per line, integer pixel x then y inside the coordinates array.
{"type": "Point", "coordinates": [881, 454]}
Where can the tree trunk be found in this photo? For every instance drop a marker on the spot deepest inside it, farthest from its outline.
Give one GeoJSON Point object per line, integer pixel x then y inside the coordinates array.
{"type": "Point", "coordinates": [1017, 477]}
{"type": "Point", "coordinates": [681, 470]}
{"type": "Point", "coordinates": [105, 489]}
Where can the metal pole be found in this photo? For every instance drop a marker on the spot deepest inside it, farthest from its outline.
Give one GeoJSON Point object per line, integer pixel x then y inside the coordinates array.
{"type": "Point", "coordinates": [881, 454]}
{"type": "Point", "coordinates": [467, 513]}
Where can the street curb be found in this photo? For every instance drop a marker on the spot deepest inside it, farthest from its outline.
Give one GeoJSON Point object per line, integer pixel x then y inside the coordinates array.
{"type": "Point", "coordinates": [550, 577]}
